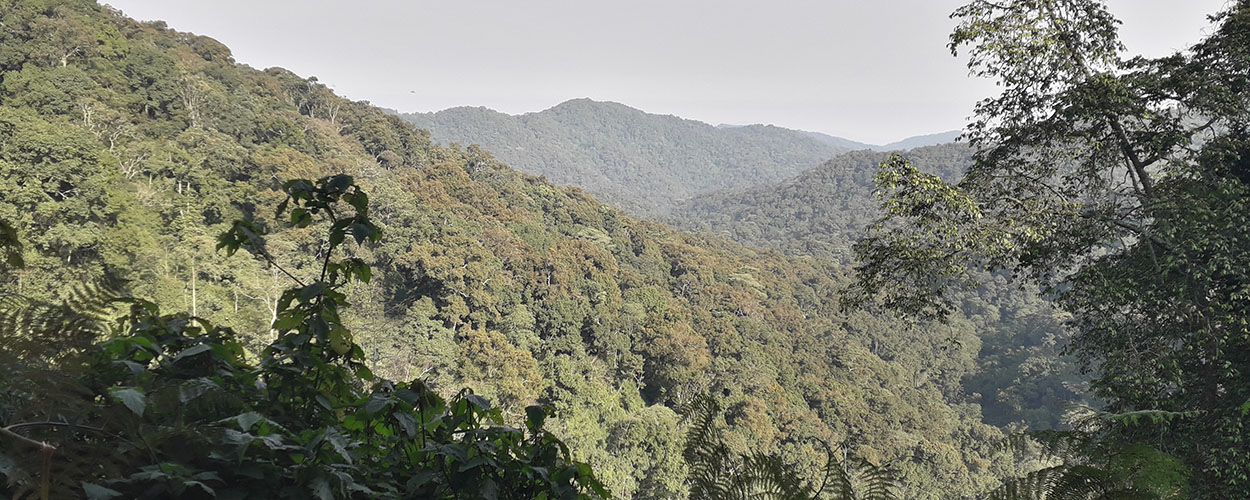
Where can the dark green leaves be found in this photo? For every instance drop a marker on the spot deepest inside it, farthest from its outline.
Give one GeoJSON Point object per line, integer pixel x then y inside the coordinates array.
{"type": "Point", "coordinates": [132, 398]}
{"type": "Point", "coordinates": [97, 492]}
{"type": "Point", "coordinates": [10, 245]}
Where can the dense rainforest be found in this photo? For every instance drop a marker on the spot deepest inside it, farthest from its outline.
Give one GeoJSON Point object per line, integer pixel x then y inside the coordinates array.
{"type": "Point", "coordinates": [127, 148]}
{"type": "Point", "coordinates": [1020, 375]}
{"type": "Point", "coordinates": [227, 282]}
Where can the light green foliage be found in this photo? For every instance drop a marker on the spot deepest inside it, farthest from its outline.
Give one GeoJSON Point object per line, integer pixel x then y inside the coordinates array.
{"type": "Point", "coordinates": [167, 406]}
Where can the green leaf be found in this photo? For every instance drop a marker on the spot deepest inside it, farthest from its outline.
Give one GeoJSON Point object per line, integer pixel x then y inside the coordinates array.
{"type": "Point", "coordinates": [535, 415]}
{"type": "Point", "coordinates": [133, 399]}
{"type": "Point", "coordinates": [247, 420]}
{"type": "Point", "coordinates": [321, 488]}
{"type": "Point", "coordinates": [376, 404]}
{"type": "Point", "coordinates": [307, 293]}
{"type": "Point", "coordinates": [192, 351]}
{"type": "Point", "coordinates": [97, 492]}
{"type": "Point", "coordinates": [193, 389]}
{"type": "Point", "coordinates": [408, 422]}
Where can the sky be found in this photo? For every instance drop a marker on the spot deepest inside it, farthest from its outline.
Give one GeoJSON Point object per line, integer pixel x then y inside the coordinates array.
{"type": "Point", "coordinates": [874, 71]}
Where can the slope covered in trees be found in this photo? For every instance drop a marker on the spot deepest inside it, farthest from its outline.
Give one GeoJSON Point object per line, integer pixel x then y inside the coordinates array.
{"type": "Point", "coordinates": [639, 161]}
{"type": "Point", "coordinates": [126, 147]}
{"type": "Point", "coordinates": [821, 212]}
{"type": "Point", "coordinates": [1020, 375]}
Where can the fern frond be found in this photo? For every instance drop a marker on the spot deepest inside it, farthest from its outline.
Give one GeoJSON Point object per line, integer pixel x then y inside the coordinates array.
{"type": "Point", "coordinates": [1035, 485]}
{"type": "Point", "coordinates": [837, 480]}
{"type": "Point", "coordinates": [877, 482]}
{"type": "Point", "coordinates": [34, 329]}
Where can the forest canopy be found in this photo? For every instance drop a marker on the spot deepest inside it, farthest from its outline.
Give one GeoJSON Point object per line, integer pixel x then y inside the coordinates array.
{"type": "Point", "coordinates": [406, 320]}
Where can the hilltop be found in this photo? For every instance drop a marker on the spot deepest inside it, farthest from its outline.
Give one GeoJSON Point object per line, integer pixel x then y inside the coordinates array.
{"type": "Point", "coordinates": [645, 163]}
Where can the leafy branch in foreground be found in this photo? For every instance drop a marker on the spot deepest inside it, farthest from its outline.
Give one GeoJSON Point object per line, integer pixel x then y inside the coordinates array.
{"type": "Point", "coordinates": [167, 406]}
{"type": "Point", "coordinates": [1089, 463]}
{"type": "Point", "coordinates": [717, 473]}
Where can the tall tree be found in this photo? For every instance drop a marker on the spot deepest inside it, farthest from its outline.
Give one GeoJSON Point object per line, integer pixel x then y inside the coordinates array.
{"type": "Point", "coordinates": [1121, 186]}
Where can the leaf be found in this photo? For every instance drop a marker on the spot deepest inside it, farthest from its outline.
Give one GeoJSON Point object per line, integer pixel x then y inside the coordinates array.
{"type": "Point", "coordinates": [408, 422]}
{"type": "Point", "coordinates": [480, 402]}
{"type": "Point", "coordinates": [193, 389]}
{"type": "Point", "coordinates": [376, 404]}
{"type": "Point", "coordinates": [192, 351]}
{"type": "Point", "coordinates": [247, 420]}
{"type": "Point", "coordinates": [419, 479]}
{"type": "Point", "coordinates": [307, 293]}
{"type": "Point", "coordinates": [133, 399]}
{"type": "Point", "coordinates": [321, 488]}
{"type": "Point", "coordinates": [358, 200]}
{"type": "Point", "coordinates": [7, 465]}
{"type": "Point", "coordinates": [288, 320]}
{"type": "Point", "coordinates": [489, 490]}
{"type": "Point", "coordinates": [535, 415]}
{"type": "Point", "coordinates": [97, 492]}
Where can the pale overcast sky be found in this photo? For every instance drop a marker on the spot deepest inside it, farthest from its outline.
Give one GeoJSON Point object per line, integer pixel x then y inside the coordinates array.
{"type": "Point", "coordinates": [869, 70]}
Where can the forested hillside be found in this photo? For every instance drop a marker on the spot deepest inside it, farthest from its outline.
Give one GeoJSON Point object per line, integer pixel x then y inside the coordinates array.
{"type": "Point", "coordinates": [127, 147]}
{"type": "Point", "coordinates": [820, 212]}
{"type": "Point", "coordinates": [1020, 375]}
{"type": "Point", "coordinates": [642, 162]}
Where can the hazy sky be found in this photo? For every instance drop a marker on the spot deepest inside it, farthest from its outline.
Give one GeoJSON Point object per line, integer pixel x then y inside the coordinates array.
{"type": "Point", "coordinates": [869, 70]}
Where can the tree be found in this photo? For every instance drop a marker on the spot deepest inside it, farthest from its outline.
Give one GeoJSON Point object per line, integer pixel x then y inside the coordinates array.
{"type": "Point", "coordinates": [1120, 185]}
{"type": "Point", "coordinates": [167, 406]}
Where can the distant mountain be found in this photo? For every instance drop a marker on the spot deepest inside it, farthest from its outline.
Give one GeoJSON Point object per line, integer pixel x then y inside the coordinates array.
{"type": "Point", "coordinates": [643, 162]}
{"type": "Point", "coordinates": [918, 141]}
{"type": "Point", "coordinates": [921, 141]}
{"type": "Point", "coordinates": [819, 212]}
{"type": "Point", "coordinates": [839, 142]}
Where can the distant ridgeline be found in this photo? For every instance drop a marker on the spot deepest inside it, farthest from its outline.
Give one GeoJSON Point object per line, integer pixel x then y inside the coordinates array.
{"type": "Point", "coordinates": [642, 162]}
{"type": "Point", "coordinates": [126, 147]}
{"type": "Point", "coordinates": [821, 212]}
{"type": "Point", "coordinates": [645, 163]}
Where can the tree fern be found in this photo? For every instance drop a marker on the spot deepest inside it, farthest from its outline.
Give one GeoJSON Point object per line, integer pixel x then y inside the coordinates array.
{"type": "Point", "coordinates": [1099, 459]}
{"type": "Point", "coordinates": [41, 330]}
{"type": "Point", "coordinates": [716, 473]}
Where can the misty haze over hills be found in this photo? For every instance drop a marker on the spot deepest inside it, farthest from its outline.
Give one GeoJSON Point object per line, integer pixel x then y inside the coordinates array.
{"type": "Point", "coordinates": [913, 142]}
{"type": "Point", "coordinates": [646, 163]}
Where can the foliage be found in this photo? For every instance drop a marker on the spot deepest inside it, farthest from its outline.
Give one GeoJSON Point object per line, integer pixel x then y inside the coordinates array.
{"type": "Point", "coordinates": [716, 473]}
{"type": "Point", "coordinates": [821, 212]}
{"type": "Point", "coordinates": [1019, 375]}
{"type": "Point", "coordinates": [128, 159]}
{"type": "Point", "coordinates": [1092, 467]}
{"type": "Point", "coordinates": [1118, 185]}
{"type": "Point", "coordinates": [171, 408]}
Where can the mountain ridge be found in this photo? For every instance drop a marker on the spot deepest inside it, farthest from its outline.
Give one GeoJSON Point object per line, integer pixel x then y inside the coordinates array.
{"type": "Point", "coordinates": [643, 162]}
